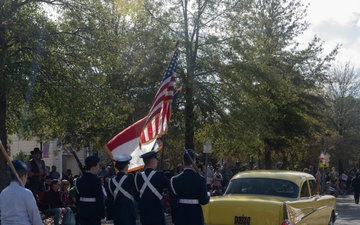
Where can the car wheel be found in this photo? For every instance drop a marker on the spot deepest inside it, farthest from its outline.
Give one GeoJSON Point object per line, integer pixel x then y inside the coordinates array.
{"type": "Point", "coordinates": [332, 219]}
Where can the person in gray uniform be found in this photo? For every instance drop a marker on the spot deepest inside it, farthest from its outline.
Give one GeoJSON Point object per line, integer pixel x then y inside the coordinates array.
{"type": "Point", "coordinates": [17, 204]}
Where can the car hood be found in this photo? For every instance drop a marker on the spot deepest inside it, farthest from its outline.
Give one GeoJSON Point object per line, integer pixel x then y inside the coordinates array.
{"type": "Point", "coordinates": [235, 209]}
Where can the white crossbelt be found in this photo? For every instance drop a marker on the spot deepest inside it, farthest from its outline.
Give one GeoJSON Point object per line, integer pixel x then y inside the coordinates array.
{"type": "Point", "coordinates": [189, 201]}
{"type": "Point", "coordinates": [172, 186]}
{"type": "Point", "coordinates": [119, 188]}
{"type": "Point", "coordinates": [148, 184]}
{"type": "Point", "coordinates": [83, 199]}
{"type": "Point", "coordinates": [76, 187]}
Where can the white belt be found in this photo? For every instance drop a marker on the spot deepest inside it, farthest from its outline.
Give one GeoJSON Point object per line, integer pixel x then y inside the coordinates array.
{"type": "Point", "coordinates": [82, 199]}
{"type": "Point", "coordinates": [189, 201]}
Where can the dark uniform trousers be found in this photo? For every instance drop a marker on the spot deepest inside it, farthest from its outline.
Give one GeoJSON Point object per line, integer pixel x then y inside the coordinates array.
{"type": "Point", "coordinates": [149, 201]}
{"type": "Point", "coordinates": [188, 192]}
{"type": "Point", "coordinates": [355, 183]}
{"type": "Point", "coordinates": [91, 208]}
{"type": "Point", "coordinates": [122, 188]}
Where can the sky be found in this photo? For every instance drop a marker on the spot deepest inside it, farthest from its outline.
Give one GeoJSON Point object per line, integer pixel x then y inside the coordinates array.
{"type": "Point", "coordinates": [335, 22]}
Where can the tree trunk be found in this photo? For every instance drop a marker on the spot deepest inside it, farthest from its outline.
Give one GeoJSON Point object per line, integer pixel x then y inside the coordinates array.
{"type": "Point", "coordinates": [3, 138]}
{"type": "Point", "coordinates": [267, 156]}
{"type": "Point", "coordinates": [189, 119]}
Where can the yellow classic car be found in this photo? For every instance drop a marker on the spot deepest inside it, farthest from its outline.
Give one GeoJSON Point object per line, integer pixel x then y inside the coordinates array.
{"type": "Point", "coordinates": [271, 197]}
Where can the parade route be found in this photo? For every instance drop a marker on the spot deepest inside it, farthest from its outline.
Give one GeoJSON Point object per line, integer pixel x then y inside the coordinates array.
{"type": "Point", "coordinates": [348, 212]}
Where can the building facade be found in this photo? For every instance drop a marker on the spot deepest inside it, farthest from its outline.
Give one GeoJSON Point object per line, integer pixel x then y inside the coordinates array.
{"type": "Point", "coordinates": [53, 153]}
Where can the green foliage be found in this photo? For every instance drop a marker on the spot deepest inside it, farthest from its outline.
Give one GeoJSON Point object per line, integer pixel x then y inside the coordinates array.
{"type": "Point", "coordinates": [21, 156]}
{"type": "Point", "coordinates": [24, 43]}
{"type": "Point", "coordinates": [277, 95]}
{"type": "Point", "coordinates": [246, 85]}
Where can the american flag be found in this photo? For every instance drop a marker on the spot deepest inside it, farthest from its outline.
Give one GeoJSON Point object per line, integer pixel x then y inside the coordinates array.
{"type": "Point", "coordinates": [324, 157]}
{"type": "Point", "coordinates": [157, 120]}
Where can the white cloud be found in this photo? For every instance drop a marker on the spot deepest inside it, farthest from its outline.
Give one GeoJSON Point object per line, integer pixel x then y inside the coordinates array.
{"type": "Point", "coordinates": [335, 22]}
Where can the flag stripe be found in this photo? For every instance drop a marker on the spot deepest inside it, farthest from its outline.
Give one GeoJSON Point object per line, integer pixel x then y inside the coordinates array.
{"type": "Point", "coordinates": [141, 136]}
{"type": "Point", "coordinates": [165, 95]}
{"type": "Point", "coordinates": [126, 135]}
{"type": "Point", "coordinates": [159, 114]}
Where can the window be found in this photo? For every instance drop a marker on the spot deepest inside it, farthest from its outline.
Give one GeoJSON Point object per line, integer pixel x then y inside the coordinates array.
{"type": "Point", "coordinates": [305, 190]}
{"type": "Point", "coordinates": [263, 186]}
{"type": "Point", "coordinates": [313, 187]}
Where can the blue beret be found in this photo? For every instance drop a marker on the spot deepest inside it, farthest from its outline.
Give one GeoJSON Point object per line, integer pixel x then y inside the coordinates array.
{"type": "Point", "coordinates": [122, 158]}
{"type": "Point", "coordinates": [151, 154]}
{"type": "Point", "coordinates": [91, 159]}
{"type": "Point", "coordinates": [19, 165]}
{"type": "Point", "coordinates": [189, 152]}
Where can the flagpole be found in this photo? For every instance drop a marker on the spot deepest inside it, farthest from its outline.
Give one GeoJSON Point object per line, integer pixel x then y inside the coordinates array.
{"type": "Point", "coordinates": [192, 162]}
{"type": "Point", "coordinates": [143, 132]}
{"type": "Point", "coordinates": [163, 136]}
{"type": "Point", "coordinates": [10, 163]}
{"type": "Point", "coordinates": [162, 152]}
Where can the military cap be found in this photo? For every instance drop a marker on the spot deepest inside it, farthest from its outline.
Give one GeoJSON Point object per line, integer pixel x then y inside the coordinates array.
{"type": "Point", "coordinates": [151, 154]}
{"type": "Point", "coordinates": [19, 165]}
{"type": "Point", "coordinates": [190, 153]}
{"type": "Point", "coordinates": [122, 158]}
{"type": "Point", "coordinates": [91, 159]}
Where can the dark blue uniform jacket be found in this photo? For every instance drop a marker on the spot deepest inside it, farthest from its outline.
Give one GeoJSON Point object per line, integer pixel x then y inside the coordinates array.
{"type": "Point", "coordinates": [150, 206]}
{"type": "Point", "coordinates": [89, 186]}
{"type": "Point", "coordinates": [188, 185]}
{"type": "Point", "coordinates": [123, 208]}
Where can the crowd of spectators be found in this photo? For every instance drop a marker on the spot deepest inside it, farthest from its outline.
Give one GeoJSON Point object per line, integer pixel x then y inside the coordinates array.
{"type": "Point", "coordinates": [217, 178]}
{"type": "Point", "coordinates": [331, 180]}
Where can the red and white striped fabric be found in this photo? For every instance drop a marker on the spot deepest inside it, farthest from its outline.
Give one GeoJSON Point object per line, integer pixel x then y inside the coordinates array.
{"type": "Point", "coordinates": [127, 142]}
{"type": "Point", "coordinates": [148, 129]}
{"type": "Point", "coordinates": [156, 123]}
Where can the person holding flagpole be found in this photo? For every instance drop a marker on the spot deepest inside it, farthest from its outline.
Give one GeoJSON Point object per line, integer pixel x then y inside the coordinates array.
{"type": "Point", "coordinates": [149, 186]}
{"type": "Point", "coordinates": [122, 189]}
{"type": "Point", "coordinates": [188, 192]}
{"type": "Point", "coordinates": [134, 139]}
{"type": "Point", "coordinates": [17, 203]}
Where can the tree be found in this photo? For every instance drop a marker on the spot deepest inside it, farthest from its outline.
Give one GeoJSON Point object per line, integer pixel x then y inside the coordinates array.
{"type": "Point", "coordinates": [277, 82]}
{"type": "Point", "coordinates": [25, 36]}
{"type": "Point", "coordinates": [202, 39]}
{"type": "Point", "coordinates": [79, 78]}
{"type": "Point", "coordinates": [343, 91]}
{"type": "Point", "coordinates": [342, 94]}
{"type": "Point", "coordinates": [21, 156]}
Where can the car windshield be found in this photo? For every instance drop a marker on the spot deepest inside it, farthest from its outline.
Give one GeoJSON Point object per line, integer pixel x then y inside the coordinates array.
{"type": "Point", "coordinates": [263, 186]}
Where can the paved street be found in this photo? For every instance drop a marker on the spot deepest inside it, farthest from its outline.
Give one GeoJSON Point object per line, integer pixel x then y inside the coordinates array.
{"type": "Point", "coordinates": [168, 221]}
{"type": "Point", "coordinates": [349, 212]}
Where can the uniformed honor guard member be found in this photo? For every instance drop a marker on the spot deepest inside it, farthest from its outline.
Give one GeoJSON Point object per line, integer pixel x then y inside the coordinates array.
{"type": "Point", "coordinates": [188, 192]}
{"type": "Point", "coordinates": [149, 186]}
{"type": "Point", "coordinates": [90, 198]}
{"type": "Point", "coordinates": [122, 189]}
{"type": "Point", "coordinates": [17, 204]}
